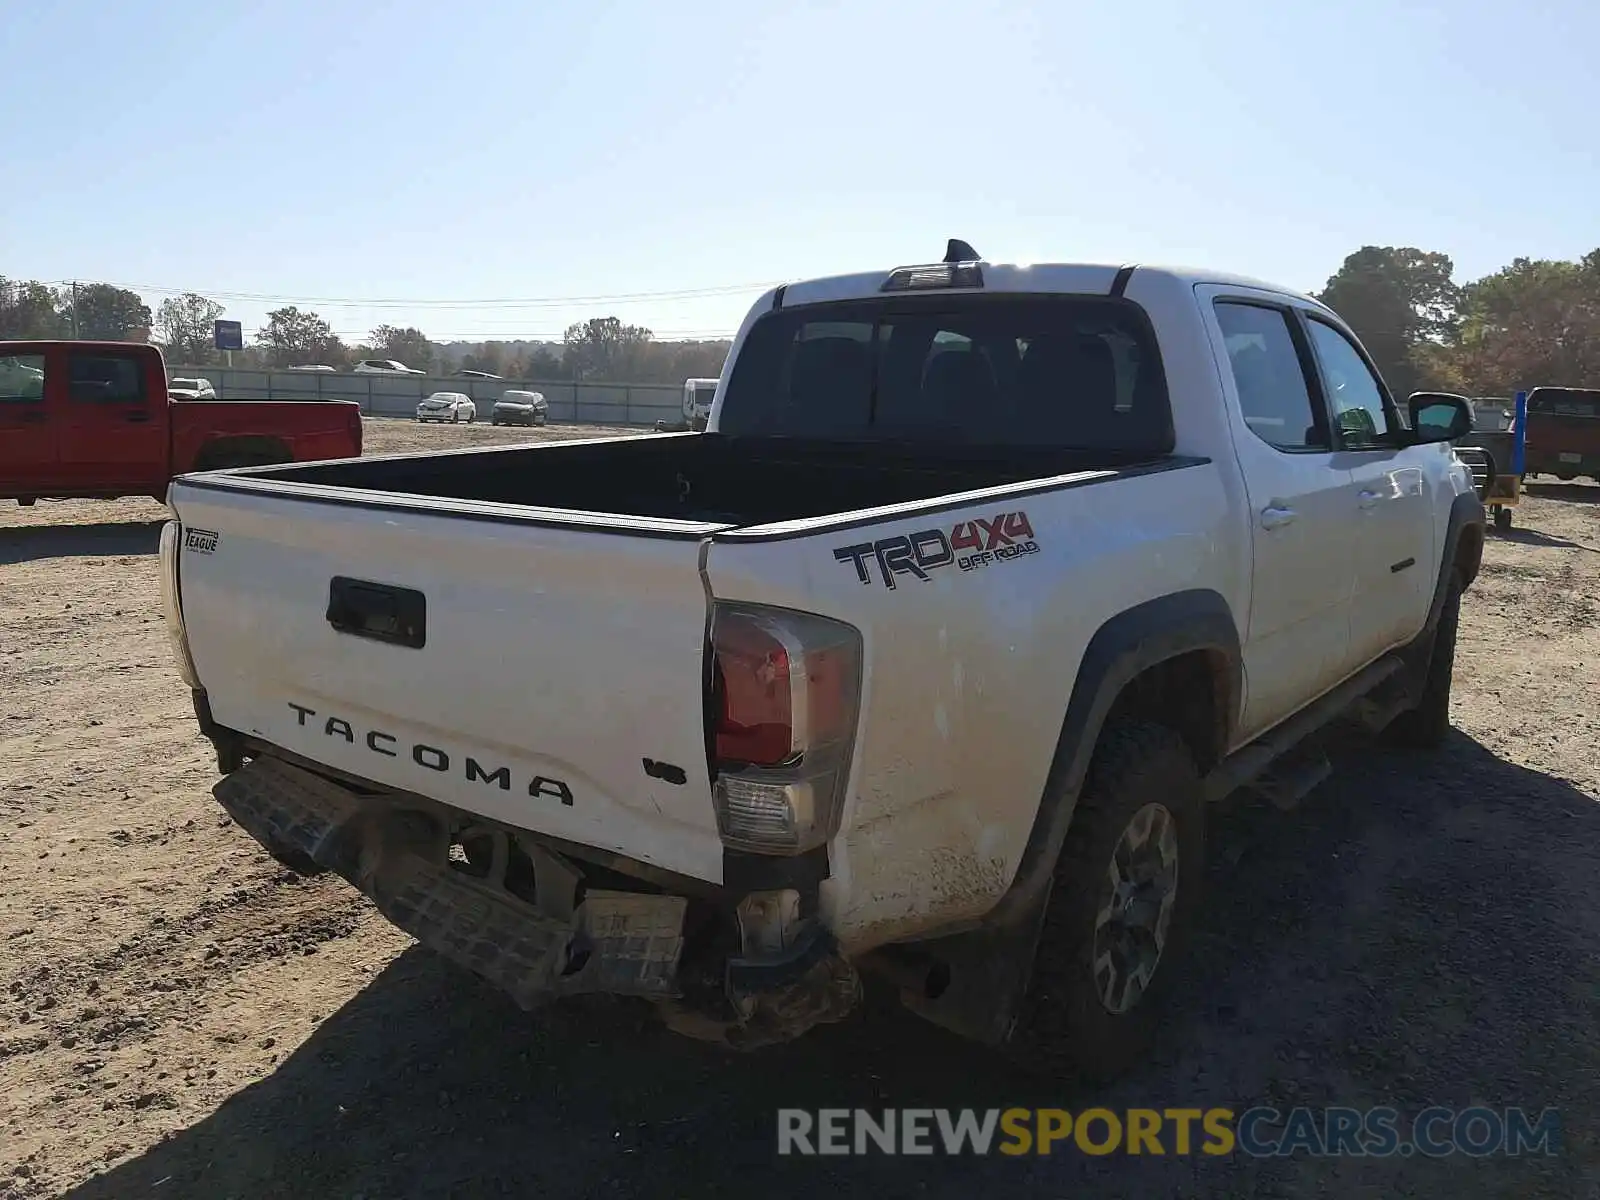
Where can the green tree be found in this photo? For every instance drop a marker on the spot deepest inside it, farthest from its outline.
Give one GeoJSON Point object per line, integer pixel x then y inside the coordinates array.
{"type": "Point", "coordinates": [186, 326]}
{"type": "Point", "coordinates": [1400, 301]}
{"type": "Point", "coordinates": [603, 348]}
{"type": "Point", "coordinates": [1534, 322]}
{"type": "Point", "coordinates": [28, 310]}
{"type": "Point", "coordinates": [693, 360]}
{"type": "Point", "coordinates": [488, 356]}
{"type": "Point", "coordinates": [106, 313]}
{"type": "Point", "coordinates": [291, 337]}
{"type": "Point", "coordinates": [408, 345]}
{"type": "Point", "coordinates": [545, 363]}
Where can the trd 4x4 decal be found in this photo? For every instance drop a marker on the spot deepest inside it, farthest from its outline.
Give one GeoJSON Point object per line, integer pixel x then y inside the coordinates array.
{"type": "Point", "coordinates": [969, 545]}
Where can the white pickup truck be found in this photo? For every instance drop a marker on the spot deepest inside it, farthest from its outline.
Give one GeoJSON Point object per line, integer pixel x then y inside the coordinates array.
{"type": "Point", "coordinates": [924, 659]}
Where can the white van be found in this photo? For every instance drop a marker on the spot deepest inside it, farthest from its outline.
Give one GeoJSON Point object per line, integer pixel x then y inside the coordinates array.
{"type": "Point", "coordinates": [697, 397]}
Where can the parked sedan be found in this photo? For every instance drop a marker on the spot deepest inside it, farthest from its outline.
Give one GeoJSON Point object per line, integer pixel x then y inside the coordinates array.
{"type": "Point", "coordinates": [520, 408]}
{"type": "Point", "coordinates": [448, 406]}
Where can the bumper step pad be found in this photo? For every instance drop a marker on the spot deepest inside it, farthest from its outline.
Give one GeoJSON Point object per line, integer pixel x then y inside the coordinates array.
{"type": "Point", "coordinates": [623, 943]}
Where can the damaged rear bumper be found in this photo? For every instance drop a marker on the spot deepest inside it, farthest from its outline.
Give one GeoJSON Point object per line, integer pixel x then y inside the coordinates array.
{"type": "Point", "coordinates": [561, 936]}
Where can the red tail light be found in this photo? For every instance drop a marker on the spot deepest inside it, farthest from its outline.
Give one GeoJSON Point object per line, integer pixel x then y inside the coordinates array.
{"type": "Point", "coordinates": [784, 697]}
{"type": "Point", "coordinates": [776, 695]}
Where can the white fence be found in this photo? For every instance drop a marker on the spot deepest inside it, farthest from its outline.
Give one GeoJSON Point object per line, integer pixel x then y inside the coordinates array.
{"type": "Point", "coordinates": [397, 395]}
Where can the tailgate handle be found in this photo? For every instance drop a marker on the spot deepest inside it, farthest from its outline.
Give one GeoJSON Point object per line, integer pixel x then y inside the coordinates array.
{"type": "Point", "coordinates": [380, 611]}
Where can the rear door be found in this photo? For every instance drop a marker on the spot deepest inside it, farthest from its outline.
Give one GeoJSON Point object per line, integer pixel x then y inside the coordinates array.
{"type": "Point", "coordinates": [1298, 638]}
{"type": "Point", "coordinates": [113, 425]}
{"type": "Point", "coordinates": [538, 671]}
{"type": "Point", "coordinates": [28, 457]}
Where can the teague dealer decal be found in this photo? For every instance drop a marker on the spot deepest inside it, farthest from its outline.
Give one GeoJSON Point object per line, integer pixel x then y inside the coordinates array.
{"type": "Point", "coordinates": [969, 545]}
{"type": "Point", "coordinates": [200, 541]}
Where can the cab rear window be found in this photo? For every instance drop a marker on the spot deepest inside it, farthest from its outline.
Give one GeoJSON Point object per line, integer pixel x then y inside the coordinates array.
{"type": "Point", "coordinates": [1564, 402]}
{"type": "Point", "coordinates": [1078, 372]}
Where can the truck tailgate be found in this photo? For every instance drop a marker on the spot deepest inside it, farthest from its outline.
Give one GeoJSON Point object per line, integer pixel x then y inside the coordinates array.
{"type": "Point", "coordinates": [547, 675]}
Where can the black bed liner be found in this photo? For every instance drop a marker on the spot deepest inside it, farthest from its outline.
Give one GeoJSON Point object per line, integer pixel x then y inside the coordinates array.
{"type": "Point", "coordinates": [708, 477]}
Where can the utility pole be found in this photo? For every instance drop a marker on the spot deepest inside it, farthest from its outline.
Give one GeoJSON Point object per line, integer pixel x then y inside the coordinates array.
{"type": "Point", "coordinates": [74, 310]}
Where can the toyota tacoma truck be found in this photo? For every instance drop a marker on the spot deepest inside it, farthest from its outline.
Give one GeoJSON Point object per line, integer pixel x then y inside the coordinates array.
{"type": "Point", "coordinates": [95, 419]}
{"type": "Point", "coordinates": [923, 661]}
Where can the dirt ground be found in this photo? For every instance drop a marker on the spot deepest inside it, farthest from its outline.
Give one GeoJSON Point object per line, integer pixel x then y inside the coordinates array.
{"type": "Point", "coordinates": [180, 1017]}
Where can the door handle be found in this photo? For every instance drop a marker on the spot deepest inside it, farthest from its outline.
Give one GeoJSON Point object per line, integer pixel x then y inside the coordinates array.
{"type": "Point", "coordinates": [1369, 498]}
{"type": "Point", "coordinates": [1276, 517]}
{"type": "Point", "coordinates": [32, 418]}
{"type": "Point", "coordinates": [136, 418]}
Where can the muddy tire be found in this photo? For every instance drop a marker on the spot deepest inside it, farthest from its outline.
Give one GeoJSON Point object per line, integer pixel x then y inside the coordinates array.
{"type": "Point", "coordinates": [1426, 726]}
{"type": "Point", "coordinates": [1121, 907]}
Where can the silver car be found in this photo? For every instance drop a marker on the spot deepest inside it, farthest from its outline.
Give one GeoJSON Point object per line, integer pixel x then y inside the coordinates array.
{"type": "Point", "coordinates": [448, 406]}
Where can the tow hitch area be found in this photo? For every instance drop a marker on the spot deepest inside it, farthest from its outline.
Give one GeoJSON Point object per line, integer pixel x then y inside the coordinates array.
{"type": "Point", "coordinates": [527, 920]}
{"type": "Point", "coordinates": [624, 943]}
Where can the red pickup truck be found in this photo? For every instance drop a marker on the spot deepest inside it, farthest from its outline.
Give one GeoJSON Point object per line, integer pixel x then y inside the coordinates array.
{"type": "Point", "coordinates": [93, 419]}
{"type": "Point", "coordinates": [1563, 432]}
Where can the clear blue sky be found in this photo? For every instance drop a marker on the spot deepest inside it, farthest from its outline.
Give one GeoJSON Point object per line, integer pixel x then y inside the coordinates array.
{"type": "Point", "coordinates": [495, 148]}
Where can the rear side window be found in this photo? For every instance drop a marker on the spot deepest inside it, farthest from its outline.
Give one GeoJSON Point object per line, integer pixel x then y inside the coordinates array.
{"type": "Point", "coordinates": [1271, 381]}
{"type": "Point", "coordinates": [1564, 402]}
{"type": "Point", "coordinates": [22, 379]}
{"type": "Point", "coordinates": [104, 379]}
{"type": "Point", "coordinates": [1078, 372]}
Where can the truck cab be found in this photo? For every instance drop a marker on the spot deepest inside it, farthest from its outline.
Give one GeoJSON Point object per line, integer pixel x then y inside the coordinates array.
{"type": "Point", "coordinates": [94, 419]}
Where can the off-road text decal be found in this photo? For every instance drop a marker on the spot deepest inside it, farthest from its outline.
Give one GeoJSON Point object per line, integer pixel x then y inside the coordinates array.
{"type": "Point", "coordinates": [969, 545]}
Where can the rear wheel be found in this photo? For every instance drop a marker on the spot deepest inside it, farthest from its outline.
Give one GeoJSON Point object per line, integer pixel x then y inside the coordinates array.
{"type": "Point", "coordinates": [1126, 888]}
{"type": "Point", "coordinates": [1427, 725]}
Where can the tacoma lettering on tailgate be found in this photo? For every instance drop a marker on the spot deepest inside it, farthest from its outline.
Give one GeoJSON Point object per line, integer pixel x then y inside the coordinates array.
{"type": "Point", "coordinates": [433, 758]}
{"type": "Point", "coordinates": [970, 545]}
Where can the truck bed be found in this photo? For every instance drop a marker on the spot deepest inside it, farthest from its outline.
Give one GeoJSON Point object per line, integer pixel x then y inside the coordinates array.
{"type": "Point", "coordinates": [704, 477]}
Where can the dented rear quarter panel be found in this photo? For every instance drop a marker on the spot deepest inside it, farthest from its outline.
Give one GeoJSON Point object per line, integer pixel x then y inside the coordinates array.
{"type": "Point", "coordinates": [968, 672]}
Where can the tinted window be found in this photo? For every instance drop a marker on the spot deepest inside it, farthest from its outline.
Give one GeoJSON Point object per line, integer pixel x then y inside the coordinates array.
{"type": "Point", "coordinates": [1273, 394]}
{"type": "Point", "coordinates": [1353, 391]}
{"type": "Point", "coordinates": [22, 379]}
{"type": "Point", "coordinates": [1564, 402]}
{"type": "Point", "coordinates": [990, 371]}
{"type": "Point", "coordinates": [105, 378]}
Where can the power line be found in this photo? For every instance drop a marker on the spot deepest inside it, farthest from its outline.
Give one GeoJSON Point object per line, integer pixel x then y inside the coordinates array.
{"type": "Point", "coordinates": [495, 302]}
{"type": "Point", "coordinates": [708, 335]}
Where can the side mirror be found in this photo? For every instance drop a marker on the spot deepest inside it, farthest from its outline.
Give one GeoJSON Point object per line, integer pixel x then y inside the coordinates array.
{"type": "Point", "coordinates": [1439, 417]}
